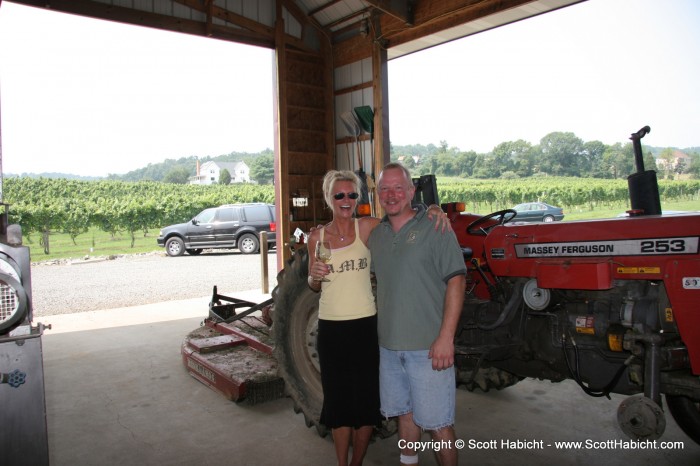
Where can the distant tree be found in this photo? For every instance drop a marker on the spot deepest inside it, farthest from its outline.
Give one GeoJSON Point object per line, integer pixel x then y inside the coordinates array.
{"type": "Point", "coordinates": [618, 160]}
{"type": "Point", "coordinates": [465, 163]}
{"type": "Point", "coordinates": [649, 161]}
{"type": "Point", "coordinates": [485, 167]}
{"type": "Point", "coordinates": [179, 175]}
{"type": "Point", "coordinates": [527, 161]}
{"type": "Point", "coordinates": [409, 163]}
{"type": "Point", "coordinates": [694, 168]}
{"type": "Point", "coordinates": [430, 163]}
{"type": "Point", "coordinates": [592, 163]}
{"type": "Point", "coordinates": [446, 164]}
{"type": "Point", "coordinates": [417, 149]}
{"type": "Point", "coordinates": [394, 156]}
{"type": "Point", "coordinates": [262, 169]}
{"type": "Point", "coordinates": [509, 176]}
{"type": "Point", "coordinates": [668, 161]}
{"type": "Point", "coordinates": [680, 167]}
{"type": "Point", "coordinates": [224, 177]}
{"type": "Point", "coordinates": [513, 156]}
{"type": "Point", "coordinates": [561, 154]}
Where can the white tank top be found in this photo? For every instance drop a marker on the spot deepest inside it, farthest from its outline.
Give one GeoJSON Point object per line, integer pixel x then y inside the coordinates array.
{"type": "Point", "coordinates": [348, 293]}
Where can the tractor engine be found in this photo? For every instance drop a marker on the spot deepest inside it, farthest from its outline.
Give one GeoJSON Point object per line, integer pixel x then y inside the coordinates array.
{"type": "Point", "coordinates": [590, 336]}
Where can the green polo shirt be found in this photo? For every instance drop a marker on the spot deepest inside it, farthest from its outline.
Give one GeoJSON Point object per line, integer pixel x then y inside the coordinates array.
{"type": "Point", "coordinates": [412, 267]}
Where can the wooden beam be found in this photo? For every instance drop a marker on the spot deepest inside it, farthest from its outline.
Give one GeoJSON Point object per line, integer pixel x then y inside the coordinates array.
{"type": "Point", "coordinates": [281, 143]}
{"type": "Point", "coordinates": [230, 17]}
{"type": "Point", "coordinates": [399, 9]}
{"type": "Point", "coordinates": [433, 16]}
{"type": "Point", "coordinates": [352, 50]}
{"type": "Point", "coordinates": [382, 143]}
{"type": "Point", "coordinates": [132, 16]}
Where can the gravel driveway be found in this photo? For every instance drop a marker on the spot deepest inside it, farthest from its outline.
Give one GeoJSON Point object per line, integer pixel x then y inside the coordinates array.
{"type": "Point", "coordinates": [131, 280]}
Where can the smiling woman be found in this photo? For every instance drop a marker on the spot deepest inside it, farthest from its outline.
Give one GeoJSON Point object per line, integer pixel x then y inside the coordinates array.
{"type": "Point", "coordinates": [91, 97]}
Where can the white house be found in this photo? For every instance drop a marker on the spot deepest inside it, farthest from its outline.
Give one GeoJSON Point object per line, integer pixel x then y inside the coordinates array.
{"type": "Point", "coordinates": [678, 157]}
{"type": "Point", "coordinates": [208, 172]}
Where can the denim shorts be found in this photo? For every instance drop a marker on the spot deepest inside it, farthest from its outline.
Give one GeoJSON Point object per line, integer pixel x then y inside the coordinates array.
{"type": "Point", "coordinates": [408, 383]}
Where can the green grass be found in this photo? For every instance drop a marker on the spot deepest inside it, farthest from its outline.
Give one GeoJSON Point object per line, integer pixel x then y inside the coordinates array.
{"type": "Point", "coordinates": [93, 243]}
{"type": "Point", "coordinates": [98, 243]}
{"type": "Point", "coordinates": [610, 212]}
{"type": "Point", "coordinates": [584, 214]}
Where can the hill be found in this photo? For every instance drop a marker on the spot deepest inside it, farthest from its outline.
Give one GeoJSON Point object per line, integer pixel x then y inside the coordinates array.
{"type": "Point", "coordinates": [52, 175]}
{"type": "Point", "coordinates": [657, 150]}
{"type": "Point", "coordinates": [188, 165]}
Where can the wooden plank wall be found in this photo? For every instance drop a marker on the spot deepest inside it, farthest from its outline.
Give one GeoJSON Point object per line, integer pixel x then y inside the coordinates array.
{"type": "Point", "coordinates": [309, 153]}
{"type": "Point", "coordinates": [307, 145]}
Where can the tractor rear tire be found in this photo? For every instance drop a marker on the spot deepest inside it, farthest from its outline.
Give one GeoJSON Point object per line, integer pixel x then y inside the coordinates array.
{"type": "Point", "coordinates": [686, 413]}
{"type": "Point", "coordinates": [294, 327]}
{"type": "Point", "coordinates": [485, 379]}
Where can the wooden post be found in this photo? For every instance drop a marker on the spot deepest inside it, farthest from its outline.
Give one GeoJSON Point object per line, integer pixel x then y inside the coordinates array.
{"type": "Point", "coordinates": [265, 285]}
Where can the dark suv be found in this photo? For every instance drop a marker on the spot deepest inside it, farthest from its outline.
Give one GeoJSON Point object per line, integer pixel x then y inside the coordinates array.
{"type": "Point", "coordinates": [226, 226]}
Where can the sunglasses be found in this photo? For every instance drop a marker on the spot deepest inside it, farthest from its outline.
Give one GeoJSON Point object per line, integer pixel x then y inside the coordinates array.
{"type": "Point", "coordinates": [339, 196]}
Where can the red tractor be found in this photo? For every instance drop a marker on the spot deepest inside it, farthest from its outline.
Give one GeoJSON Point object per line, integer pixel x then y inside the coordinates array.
{"type": "Point", "coordinates": [613, 304]}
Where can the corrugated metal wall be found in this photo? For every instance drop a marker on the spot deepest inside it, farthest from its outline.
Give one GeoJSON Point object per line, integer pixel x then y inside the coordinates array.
{"type": "Point", "coordinates": [352, 88]}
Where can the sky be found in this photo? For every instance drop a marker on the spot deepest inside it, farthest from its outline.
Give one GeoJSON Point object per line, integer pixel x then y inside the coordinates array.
{"type": "Point", "coordinates": [128, 96]}
{"type": "Point", "coordinates": [601, 69]}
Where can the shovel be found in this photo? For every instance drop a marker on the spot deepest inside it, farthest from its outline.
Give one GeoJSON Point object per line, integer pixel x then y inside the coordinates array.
{"type": "Point", "coordinates": [353, 127]}
{"type": "Point", "coordinates": [365, 117]}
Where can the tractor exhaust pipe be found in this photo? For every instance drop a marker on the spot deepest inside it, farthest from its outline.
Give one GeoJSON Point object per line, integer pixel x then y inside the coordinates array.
{"type": "Point", "coordinates": [643, 186]}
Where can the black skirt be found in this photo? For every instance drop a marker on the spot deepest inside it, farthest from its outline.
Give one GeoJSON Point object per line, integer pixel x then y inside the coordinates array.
{"type": "Point", "coordinates": [348, 352]}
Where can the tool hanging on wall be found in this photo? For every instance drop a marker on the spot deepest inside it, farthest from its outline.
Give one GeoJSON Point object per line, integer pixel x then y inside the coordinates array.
{"type": "Point", "coordinates": [353, 127]}
{"type": "Point", "coordinates": [365, 118]}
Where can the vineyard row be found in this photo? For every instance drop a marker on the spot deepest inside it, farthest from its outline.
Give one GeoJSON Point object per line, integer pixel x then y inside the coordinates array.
{"type": "Point", "coordinates": [70, 206]}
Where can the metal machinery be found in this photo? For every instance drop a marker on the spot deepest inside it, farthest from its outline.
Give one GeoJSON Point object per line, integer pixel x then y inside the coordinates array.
{"type": "Point", "coordinates": [23, 434]}
{"type": "Point", "coordinates": [611, 304]}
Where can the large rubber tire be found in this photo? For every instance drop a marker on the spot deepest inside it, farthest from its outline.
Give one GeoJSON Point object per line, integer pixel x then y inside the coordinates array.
{"type": "Point", "coordinates": [686, 413]}
{"type": "Point", "coordinates": [174, 247]}
{"type": "Point", "coordinates": [485, 379]}
{"type": "Point", "coordinates": [295, 325]}
{"type": "Point", "coordinates": [248, 244]}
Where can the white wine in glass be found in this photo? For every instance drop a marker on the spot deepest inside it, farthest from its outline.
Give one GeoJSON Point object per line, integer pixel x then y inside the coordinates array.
{"type": "Point", "coordinates": [323, 254]}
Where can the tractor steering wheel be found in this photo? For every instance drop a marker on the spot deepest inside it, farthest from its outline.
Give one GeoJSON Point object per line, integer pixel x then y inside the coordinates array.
{"type": "Point", "coordinates": [504, 216]}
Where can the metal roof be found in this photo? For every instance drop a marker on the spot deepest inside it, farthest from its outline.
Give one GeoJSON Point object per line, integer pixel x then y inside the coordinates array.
{"type": "Point", "coordinates": [402, 26]}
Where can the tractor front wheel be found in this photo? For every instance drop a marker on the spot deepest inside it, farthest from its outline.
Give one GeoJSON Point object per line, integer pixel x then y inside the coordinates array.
{"type": "Point", "coordinates": [686, 413]}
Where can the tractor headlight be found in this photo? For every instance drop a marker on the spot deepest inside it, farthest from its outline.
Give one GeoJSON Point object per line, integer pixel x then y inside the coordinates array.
{"type": "Point", "coordinates": [13, 297]}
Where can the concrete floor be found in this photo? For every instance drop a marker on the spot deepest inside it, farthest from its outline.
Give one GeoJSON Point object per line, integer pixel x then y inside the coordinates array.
{"type": "Point", "coordinates": [118, 394]}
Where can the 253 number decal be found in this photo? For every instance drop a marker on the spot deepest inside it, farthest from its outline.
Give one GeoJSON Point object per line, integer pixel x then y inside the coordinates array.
{"type": "Point", "coordinates": [663, 245]}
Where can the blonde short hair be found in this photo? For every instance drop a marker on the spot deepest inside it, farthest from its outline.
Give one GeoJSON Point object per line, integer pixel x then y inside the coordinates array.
{"type": "Point", "coordinates": [338, 175]}
{"type": "Point", "coordinates": [394, 166]}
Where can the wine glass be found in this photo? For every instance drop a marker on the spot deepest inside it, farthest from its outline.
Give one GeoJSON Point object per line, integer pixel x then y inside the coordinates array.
{"type": "Point", "coordinates": [323, 254]}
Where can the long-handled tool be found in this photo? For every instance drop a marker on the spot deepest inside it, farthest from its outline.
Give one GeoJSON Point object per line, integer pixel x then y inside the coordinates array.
{"type": "Point", "coordinates": [365, 117]}
{"type": "Point", "coordinates": [353, 127]}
